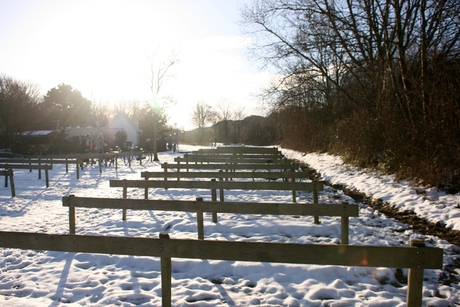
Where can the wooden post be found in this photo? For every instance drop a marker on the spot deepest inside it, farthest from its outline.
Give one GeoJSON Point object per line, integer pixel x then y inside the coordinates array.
{"type": "Point", "coordinates": [344, 226]}
{"type": "Point", "coordinates": [315, 201]}
{"type": "Point", "coordinates": [415, 280]}
{"type": "Point", "coordinates": [214, 198]}
{"type": "Point", "coordinates": [166, 170]}
{"type": "Point", "coordinates": [200, 220]}
{"type": "Point", "coordinates": [78, 167]}
{"type": "Point", "coordinates": [71, 218]}
{"type": "Point", "coordinates": [47, 178]}
{"type": "Point", "coordinates": [221, 190]}
{"type": "Point", "coordinates": [125, 195]}
{"type": "Point", "coordinates": [39, 170]}
{"type": "Point", "coordinates": [11, 175]}
{"type": "Point", "coordinates": [146, 190]}
{"type": "Point", "coordinates": [66, 166]}
{"type": "Point", "coordinates": [166, 272]}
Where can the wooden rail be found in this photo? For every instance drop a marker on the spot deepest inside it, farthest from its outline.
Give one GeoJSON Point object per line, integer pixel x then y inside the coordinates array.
{"type": "Point", "coordinates": [39, 167]}
{"type": "Point", "coordinates": [276, 156]}
{"type": "Point", "coordinates": [240, 150]}
{"type": "Point", "coordinates": [97, 156]}
{"type": "Point", "coordinates": [285, 176]}
{"type": "Point", "coordinates": [47, 160]}
{"type": "Point", "coordinates": [214, 185]}
{"type": "Point", "coordinates": [232, 166]}
{"type": "Point", "coordinates": [230, 159]}
{"type": "Point", "coordinates": [199, 206]}
{"type": "Point", "coordinates": [417, 257]}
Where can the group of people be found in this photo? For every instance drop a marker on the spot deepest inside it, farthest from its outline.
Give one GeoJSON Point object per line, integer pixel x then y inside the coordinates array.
{"type": "Point", "coordinates": [86, 144]}
{"type": "Point", "coordinates": [171, 145]}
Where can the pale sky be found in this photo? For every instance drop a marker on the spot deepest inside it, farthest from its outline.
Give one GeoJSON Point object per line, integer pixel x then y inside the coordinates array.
{"type": "Point", "coordinates": [100, 47]}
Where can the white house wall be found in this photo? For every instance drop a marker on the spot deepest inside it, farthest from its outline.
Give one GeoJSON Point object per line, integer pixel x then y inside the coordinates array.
{"type": "Point", "coordinates": [119, 123]}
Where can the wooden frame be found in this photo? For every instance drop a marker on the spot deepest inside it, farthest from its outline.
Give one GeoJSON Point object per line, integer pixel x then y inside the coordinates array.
{"type": "Point", "coordinates": [416, 257]}
{"type": "Point", "coordinates": [240, 150]}
{"type": "Point", "coordinates": [8, 173]}
{"type": "Point", "coordinates": [214, 185]}
{"type": "Point", "coordinates": [199, 206]}
{"type": "Point", "coordinates": [276, 156]}
{"type": "Point", "coordinates": [220, 159]}
{"type": "Point", "coordinates": [44, 160]}
{"type": "Point", "coordinates": [232, 166]}
{"type": "Point", "coordinates": [39, 167]}
{"type": "Point", "coordinates": [285, 176]}
{"type": "Point", "coordinates": [95, 156]}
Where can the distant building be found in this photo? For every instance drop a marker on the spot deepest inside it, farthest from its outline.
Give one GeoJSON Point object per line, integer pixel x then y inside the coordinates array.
{"type": "Point", "coordinates": [120, 122]}
{"type": "Point", "coordinates": [71, 132]}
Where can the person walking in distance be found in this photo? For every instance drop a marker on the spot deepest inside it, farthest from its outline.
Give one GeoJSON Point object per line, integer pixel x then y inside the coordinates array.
{"type": "Point", "coordinates": [100, 143]}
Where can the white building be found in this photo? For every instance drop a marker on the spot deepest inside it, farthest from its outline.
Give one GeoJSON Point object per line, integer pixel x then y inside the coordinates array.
{"type": "Point", "coordinates": [120, 122]}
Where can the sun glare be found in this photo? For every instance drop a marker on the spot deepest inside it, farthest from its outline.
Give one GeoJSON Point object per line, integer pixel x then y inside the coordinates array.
{"type": "Point", "coordinates": [101, 48]}
{"type": "Point", "coordinates": [102, 45]}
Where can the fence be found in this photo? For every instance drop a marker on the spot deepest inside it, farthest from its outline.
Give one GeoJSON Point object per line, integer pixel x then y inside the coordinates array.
{"type": "Point", "coordinates": [240, 150]}
{"type": "Point", "coordinates": [214, 185]}
{"type": "Point", "coordinates": [275, 156]}
{"type": "Point", "coordinates": [205, 159]}
{"type": "Point", "coordinates": [47, 160]}
{"type": "Point", "coordinates": [233, 166]}
{"type": "Point", "coordinates": [285, 176]}
{"type": "Point", "coordinates": [39, 167]}
{"type": "Point", "coordinates": [344, 210]}
{"type": "Point", "coordinates": [8, 173]}
{"type": "Point", "coordinates": [101, 157]}
{"type": "Point", "coordinates": [416, 258]}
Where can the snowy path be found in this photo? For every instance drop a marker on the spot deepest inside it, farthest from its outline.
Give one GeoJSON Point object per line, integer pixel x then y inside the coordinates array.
{"type": "Point", "coordinates": [41, 278]}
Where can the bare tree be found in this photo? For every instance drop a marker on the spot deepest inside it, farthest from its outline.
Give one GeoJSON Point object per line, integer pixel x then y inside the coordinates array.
{"type": "Point", "coordinates": [202, 115]}
{"type": "Point", "coordinates": [374, 72]}
{"type": "Point", "coordinates": [238, 116]}
{"type": "Point", "coordinates": [159, 73]}
{"type": "Point", "coordinates": [224, 115]}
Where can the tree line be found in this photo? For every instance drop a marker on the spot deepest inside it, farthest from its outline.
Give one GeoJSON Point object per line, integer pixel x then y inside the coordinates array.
{"type": "Point", "coordinates": [23, 110]}
{"type": "Point", "coordinates": [376, 82]}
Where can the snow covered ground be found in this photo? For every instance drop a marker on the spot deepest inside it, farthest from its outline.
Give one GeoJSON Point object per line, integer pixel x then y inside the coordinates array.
{"type": "Point", "coordinates": [47, 278]}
